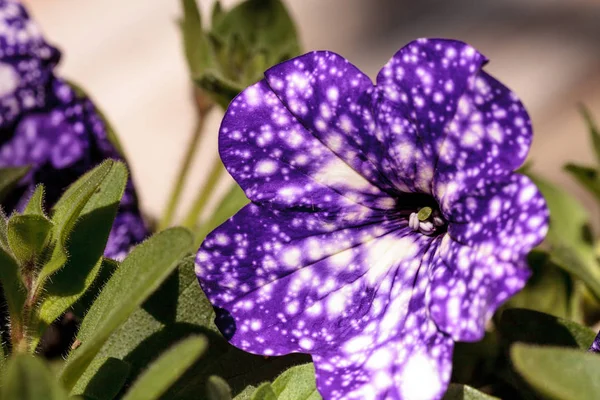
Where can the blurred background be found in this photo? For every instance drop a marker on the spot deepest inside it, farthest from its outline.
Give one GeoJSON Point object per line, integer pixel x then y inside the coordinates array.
{"type": "Point", "coordinates": [128, 56]}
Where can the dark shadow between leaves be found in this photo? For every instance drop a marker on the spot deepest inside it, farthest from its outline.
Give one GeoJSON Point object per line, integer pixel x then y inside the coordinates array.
{"type": "Point", "coordinates": [239, 368]}
{"type": "Point", "coordinates": [162, 305]}
{"type": "Point", "coordinates": [108, 380]}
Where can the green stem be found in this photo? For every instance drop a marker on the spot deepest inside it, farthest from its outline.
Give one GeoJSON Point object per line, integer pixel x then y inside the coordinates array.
{"type": "Point", "coordinates": [167, 217]}
{"type": "Point", "coordinates": [204, 195]}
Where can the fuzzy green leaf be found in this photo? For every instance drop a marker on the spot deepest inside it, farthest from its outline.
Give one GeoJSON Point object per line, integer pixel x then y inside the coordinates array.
{"type": "Point", "coordinates": [27, 237]}
{"type": "Point", "coordinates": [569, 235]}
{"type": "Point", "coordinates": [3, 230]}
{"type": "Point", "coordinates": [558, 373]}
{"type": "Point", "coordinates": [464, 392]}
{"type": "Point", "coordinates": [35, 205]}
{"type": "Point", "coordinates": [140, 274]}
{"type": "Point", "coordinates": [14, 289]}
{"type": "Point", "coordinates": [66, 211]}
{"type": "Point", "coordinates": [177, 310]}
{"type": "Point", "coordinates": [107, 382]}
{"type": "Point", "coordinates": [9, 177]}
{"type": "Point", "coordinates": [217, 389]}
{"type": "Point", "coordinates": [295, 383]}
{"type": "Point", "coordinates": [521, 325]}
{"type": "Point", "coordinates": [163, 372]}
{"type": "Point", "coordinates": [85, 248]}
{"type": "Point", "coordinates": [29, 378]}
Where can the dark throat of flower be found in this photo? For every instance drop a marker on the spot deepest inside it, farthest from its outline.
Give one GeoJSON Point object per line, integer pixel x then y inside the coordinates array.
{"type": "Point", "coordinates": [423, 214]}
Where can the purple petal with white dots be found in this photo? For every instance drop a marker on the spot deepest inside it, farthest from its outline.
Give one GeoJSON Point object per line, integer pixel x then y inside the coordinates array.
{"type": "Point", "coordinates": [26, 63]}
{"type": "Point", "coordinates": [468, 284]}
{"type": "Point", "coordinates": [419, 91]}
{"type": "Point", "coordinates": [276, 160]}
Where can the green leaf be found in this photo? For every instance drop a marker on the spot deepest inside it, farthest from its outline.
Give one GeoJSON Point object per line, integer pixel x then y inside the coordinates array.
{"type": "Point", "coordinates": [107, 382]}
{"type": "Point", "coordinates": [85, 248]}
{"type": "Point", "coordinates": [198, 51]}
{"type": "Point", "coordinates": [29, 378]}
{"type": "Point", "coordinates": [9, 178]}
{"type": "Point", "coordinates": [231, 203]}
{"type": "Point", "coordinates": [296, 383]}
{"type": "Point", "coordinates": [27, 237]}
{"type": "Point", "coordinates": [220, 89]}
{"type": "Point", "coordinates": [175, 311]}
{"type": "Point", "coordinates": [548, 290]}
{"type": "Point", "coordinates": [162, 373]}
{"type": "Point", "coordinates": [522, 325]}
{"type": "Point", "coordinates": [593, 128]}
{"type": "Point", "coordinates": [14, 289]}
{"type": "Point", "coordinates": [558, 373]}
{"type": "Point", "coordinates": [3, 230]}
{"type": "Point", "coordinates": [217, 389]}
{"type": "Point", "coordinates": [588, 178]}
{"type": "Point", "coordinates": [464, 392]}
{"type": "Point", "coordinates": [140, 274]}
{"type": "Point", "coordinates": [35, 205]}
{"type": "Point", "coordinates": [569, 235]}
{"type": "Point", "coordinates": [66, 211]}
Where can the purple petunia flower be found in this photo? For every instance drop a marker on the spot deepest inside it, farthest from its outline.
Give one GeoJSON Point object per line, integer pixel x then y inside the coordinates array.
{"type": "Point", "coordinates": [595, 346]}
{"type": "Point", "coordinates": [45, 125]}
{"type": "Point", "coordinates": [61, 142]}
{"type": "Point", "coordinates": [386, 221]}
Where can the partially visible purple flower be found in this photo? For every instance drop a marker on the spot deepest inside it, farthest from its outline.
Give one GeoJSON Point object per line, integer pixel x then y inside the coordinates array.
{"type": "Point", "coordinates": [386, 220]}
{"type": "Point", "coordinates": [595, 346]}
{"type": "Point", "coordinates": [61, 142]}
{"type": "Point", "coordinates": [26, 63]}
{"type": "Point", "coordinates": [44, 124]}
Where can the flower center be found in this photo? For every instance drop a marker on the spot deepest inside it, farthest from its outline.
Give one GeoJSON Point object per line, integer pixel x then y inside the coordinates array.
{"type": "Point", "coordinates": [423, 214]}
{"type": "Point", "coordinates": [427, 220]}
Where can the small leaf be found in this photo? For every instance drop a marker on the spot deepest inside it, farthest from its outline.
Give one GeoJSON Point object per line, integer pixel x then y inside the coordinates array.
{"type": "Point", "coordinates": [140, 274]}
{"type": "Point", "coordinates": [163, 372]}
{"type": "Point", "coordinates": [29, 378]}
{"type": "Point", "coordinates": [198, 51]}
{"type": "Point", "coordinates": [14, 289]}
{"type": "Point", "coordinates": [217, 389]}
{"type": "Point", "coordinates": [35, 205]}
{"type": "Point", "coordinates": [296, 383]}
{"type": "Point", "coordinates": [587, 177]}
{"type": "Point", "coordinates": [107, 382]}
{"type": "Point", "coordinates": [9, 178]}
{"type": "Point", "coordinates": [569, 236]}
{"type": "Point", "coordinates": [66, 211]}
{"type": "Point", "coordinates": [521, 325]}
{"type": "Point", "coordinates": [3, 230]}
{"type": "Point", "coordinates": [27, 237]}
{"type": "Point", "coordinates": [464, 392]}
{"type": "Point", "coordinates": [558, 373]}
{"type": "Point", "coordinates": [593, 128]}
{"type": "Point", "coordinates": [220, 89]}
{"type": "Point", "coordinates": [85, 248]}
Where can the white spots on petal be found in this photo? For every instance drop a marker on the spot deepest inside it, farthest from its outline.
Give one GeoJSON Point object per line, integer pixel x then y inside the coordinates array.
{"type": "Point", "coordinates": [332, 93]}
{"type": "Point", "coordinates": [306, 343]}
{"type": "Point", "coordinates": [291, 257]}
{"type": "Point", "coordinates": [420, 368]}
{"type": "Point", "coordinates": [252, 96]}
{"type": "Point", "coordinates": [527, 193]}
{"type": "Point", "coordinates": [9, 79]}
{"type": "Point", "coordinates": [386, 252]}
{"type": "Point", "coordinates": [266, 167]}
